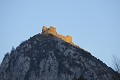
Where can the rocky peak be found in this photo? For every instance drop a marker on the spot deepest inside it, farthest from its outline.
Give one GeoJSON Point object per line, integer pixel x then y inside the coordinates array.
{"type": "Point", "coordinates": [48, 57]}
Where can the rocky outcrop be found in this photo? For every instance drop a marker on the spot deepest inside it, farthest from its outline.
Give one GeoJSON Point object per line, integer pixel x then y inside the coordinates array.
{"type": "Point", "coordinates": [52, 31]}
{"type": "Point", "coordinates": [47, 57]}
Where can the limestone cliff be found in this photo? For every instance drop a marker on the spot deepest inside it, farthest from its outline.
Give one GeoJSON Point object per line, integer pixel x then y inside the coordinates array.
{"type": "Point", "coordinates": [48, 57]}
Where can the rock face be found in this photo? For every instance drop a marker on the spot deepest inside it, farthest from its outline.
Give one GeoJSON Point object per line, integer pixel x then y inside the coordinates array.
{"type": "Point", "coordinates": [47, 57]}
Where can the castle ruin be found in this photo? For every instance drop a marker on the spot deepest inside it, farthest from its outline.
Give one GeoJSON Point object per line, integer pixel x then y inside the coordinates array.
{"type": "Point", "coordinates": [52, 30]}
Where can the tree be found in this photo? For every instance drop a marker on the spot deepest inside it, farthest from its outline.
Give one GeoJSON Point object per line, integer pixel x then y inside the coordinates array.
{"type": "Point", "coordinates": [13, 49]}
{"type": "Point", "coordinates": [116, 63]}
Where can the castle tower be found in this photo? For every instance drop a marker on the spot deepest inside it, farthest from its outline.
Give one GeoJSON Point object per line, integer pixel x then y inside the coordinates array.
{"type": "Point", "coordinates": [44, 29]}
{"type": "Point", "coordinates": [69, 39]}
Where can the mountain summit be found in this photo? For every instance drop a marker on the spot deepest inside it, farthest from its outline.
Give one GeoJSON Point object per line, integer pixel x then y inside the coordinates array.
{"type": "Point", "coordinates": [51, 56]}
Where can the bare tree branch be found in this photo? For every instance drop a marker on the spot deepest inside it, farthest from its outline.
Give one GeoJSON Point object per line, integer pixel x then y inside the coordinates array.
{"type": "Point", "coordinates": [116, 63]}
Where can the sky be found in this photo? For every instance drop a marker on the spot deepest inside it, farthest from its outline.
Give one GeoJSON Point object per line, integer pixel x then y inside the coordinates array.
{"type": "Point", "coordinates": [93, 24]}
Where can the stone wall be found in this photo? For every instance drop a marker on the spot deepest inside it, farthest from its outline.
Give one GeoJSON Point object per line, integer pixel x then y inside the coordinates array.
{"type": "Point", "coordinates": [52, 31]}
